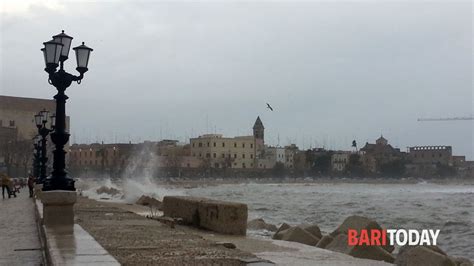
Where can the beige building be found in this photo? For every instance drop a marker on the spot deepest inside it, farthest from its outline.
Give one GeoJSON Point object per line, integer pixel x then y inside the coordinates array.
{"type": "Point", "coordinates": [216, 151]}
{"type": "Point", "coordinates": [18, 112]}
{"type": "Point", "coordinates": [431, 155]}
{"type": "Point", "coordinates": [99, 156]}
{"type": "Point", "coordinates": [339, 161]}
{"type": "Point", "coordinates": [17, 128]}
{"type": "Point", "coordinates": [270, 157]}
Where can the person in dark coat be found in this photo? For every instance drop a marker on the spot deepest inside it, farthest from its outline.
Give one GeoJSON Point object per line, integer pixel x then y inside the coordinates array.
{"type": "Point", "coordinates": [31, 184]}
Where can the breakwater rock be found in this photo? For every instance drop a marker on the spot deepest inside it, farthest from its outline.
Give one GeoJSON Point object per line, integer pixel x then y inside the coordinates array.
{"type": "Point", "coordinates": [337, 241]}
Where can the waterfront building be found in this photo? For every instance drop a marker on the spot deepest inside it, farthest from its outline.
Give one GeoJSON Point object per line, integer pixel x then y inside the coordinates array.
{"type": "Point", "coordinates": [97, 156]}
{"type": "Point", "coordinates": [270, 157]}
{"type": "Point", "coordinates": [374, 156]}
{"type": "Point", "coordinates": [217, 151]}
{"type": "Point", "coordinates": [290, 153]}
{"type": "Point", "coordinates": [431, 155]}
{"type": "Point", "coordinates": [339, 161]}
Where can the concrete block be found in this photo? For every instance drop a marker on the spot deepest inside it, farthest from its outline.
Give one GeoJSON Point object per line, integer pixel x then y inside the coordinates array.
{"type": "Point", "coordinates": [223, 217]}
{"type": "Point", "coordinates": [218, 216]}
{"type": "Point", "coordinates": [58, 207]}
{"type": "Point", "coordinates": [182, 207]}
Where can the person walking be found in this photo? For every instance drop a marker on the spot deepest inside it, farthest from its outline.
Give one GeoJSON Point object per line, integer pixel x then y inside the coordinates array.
{"type": "Point", "coordinates": [31, 184]}
{"type": "Point", "coordinates": [5, 184]}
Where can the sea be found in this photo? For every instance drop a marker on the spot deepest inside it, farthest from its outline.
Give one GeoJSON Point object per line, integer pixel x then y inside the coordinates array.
{"type": "Point", "coordinates": [421, 205]}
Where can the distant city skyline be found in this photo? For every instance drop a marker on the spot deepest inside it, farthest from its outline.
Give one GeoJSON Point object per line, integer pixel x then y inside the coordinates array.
{"type": "Point", "coordinates": [332, 71]}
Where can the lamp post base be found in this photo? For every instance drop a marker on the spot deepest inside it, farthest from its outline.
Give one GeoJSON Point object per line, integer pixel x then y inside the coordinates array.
{"type": "Point", "coordinates": [37, 190]}
{"type": "Point", "coordinates": [59, 183]}
{"type": "Point", "coordinates": [58, 208]}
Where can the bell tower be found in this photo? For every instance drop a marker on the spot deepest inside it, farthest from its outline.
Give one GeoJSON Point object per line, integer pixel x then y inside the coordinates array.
{"type": "Point", "coordinates": [259, 130]}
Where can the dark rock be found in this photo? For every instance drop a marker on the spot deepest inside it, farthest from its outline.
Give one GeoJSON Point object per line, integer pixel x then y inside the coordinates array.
{"type": "Point", "coordinates": [325, 241]}
{"type": "Point", "coordinates": [461, 261]}
{"type": "Point", "coordinates": [227, 245]}
{"type": "Point", "coordinates": [339, 244]}
{"type": "Point", "coordinates": [313, 229]}
{"type": "Point", "coordinates": [108, 190]}
{"type": "Point", "coordinates": [260, 224]}
{"type": "Point", "coordinates": [359, 223]}
{"type": "Point", "coordinates": [422, 256]}
{"type": "Point", "coordinates": [283, 227]}
{"type": "Point", "coordinates": [149, 201]}
{"type": "Point", "coordinates": [297, 234]}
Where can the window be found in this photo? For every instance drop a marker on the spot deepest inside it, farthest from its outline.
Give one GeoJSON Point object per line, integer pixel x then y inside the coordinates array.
{"type": "Point", "coordinates": [200, 144]}
{"type": "Point", "coordinates": [1, 123]}
{"type": "Point", "coordinates": [235, 144]}
{"type": "Point", "coordinates": [200, 155]}
{"type": "Point", "coordinates": [251, 156]}
{"type": "Point", "coordinates": [214, 144]}
{"type": "Point", "coordinates": [251, 145]}
{"type": "Point", "coordinates": [223, 144]}
{"type": "Point", "coordinates": [12, 123]}
{"type": "Point", "coordinates": [243, 156]}
{"type": "Point", "coordinates": [243, 165]}
{"type": "Point", "coordinates": [243, 145]}
{"type": "Point", "coordinates": [235, 155]}
{"type": "Point", "coordinates": [208, 155]}
{"type": "Point", "coordinates": [216, 165]}
{"type": "Point", "coordinates": [223, 155]}
{"type": "Point", "coordinates": [193, 144]}
{"type": "Point", "coordinates": [208, 144]}
{"type": "Point", "coordinates": [214, 155]}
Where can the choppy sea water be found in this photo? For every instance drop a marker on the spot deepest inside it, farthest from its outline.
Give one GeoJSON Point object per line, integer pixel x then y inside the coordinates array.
{"type": "Point", "coordinates": [449, 208]}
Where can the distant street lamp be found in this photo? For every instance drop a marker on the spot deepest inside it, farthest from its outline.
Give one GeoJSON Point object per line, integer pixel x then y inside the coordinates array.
{"type": "Point", "coordinates": [36, 158]}
{"type": "Point", "coordinates": [55, 53]}
{"type": "Point", "coordinates": [41, 119]}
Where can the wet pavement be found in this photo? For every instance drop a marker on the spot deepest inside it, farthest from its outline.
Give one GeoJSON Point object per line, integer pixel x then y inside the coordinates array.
{"type": "Point", "coordinates": [135, 240]}
{"type": "Point", "coordinates": [19, 239]}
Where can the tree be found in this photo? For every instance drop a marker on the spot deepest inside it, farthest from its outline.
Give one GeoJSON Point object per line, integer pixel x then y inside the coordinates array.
{"type": "Point", "coordinates": [279, 169]}
{"type": "Point", "coordinates": [322, 163]}
{"type": "Point", "coordinates": [395, 168]}
{"type": "Point", "coordinates": [355, 167]}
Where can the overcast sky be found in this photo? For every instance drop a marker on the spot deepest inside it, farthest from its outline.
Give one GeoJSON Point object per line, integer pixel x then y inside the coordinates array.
{"type": "Point", "coordinates": [333, 71]}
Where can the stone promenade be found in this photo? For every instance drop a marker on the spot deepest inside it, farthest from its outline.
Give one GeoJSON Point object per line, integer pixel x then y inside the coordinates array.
{"type": "Point", "coordinates": [19, 239]}
{"type": "Point", "coordinates": [135, 240]}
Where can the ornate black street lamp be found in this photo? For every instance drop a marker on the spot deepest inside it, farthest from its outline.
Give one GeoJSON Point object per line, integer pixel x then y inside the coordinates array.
{"type": "Point", "coordinates": [55, 53]}
{"type": "Point", "coordinates": [41, 119]}
{"type": "Point", "coordinates": [36, 158]}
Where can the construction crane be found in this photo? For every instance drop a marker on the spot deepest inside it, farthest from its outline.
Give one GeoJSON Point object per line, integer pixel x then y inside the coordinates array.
{"type": "Point", "coordinates": [446, 119]}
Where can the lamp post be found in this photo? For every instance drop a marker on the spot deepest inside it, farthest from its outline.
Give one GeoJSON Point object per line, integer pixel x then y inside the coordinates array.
{"type": "Point", "coordinates": [55, 53]}
{"type": "Point", "coordinates": [41, 119]}
{"type": "Point", "coordinates": [36, 158]}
